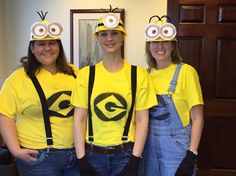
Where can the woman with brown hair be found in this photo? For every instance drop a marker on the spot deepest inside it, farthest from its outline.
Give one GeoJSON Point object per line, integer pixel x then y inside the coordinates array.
{"type": "Point", "coordinates": [37, 126]}
{"type": "Point", "coordinates": [176, 123]}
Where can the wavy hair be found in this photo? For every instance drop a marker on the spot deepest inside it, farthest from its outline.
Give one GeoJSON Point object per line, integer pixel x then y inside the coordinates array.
{"type": "Point", "coordinates": [32, 65]}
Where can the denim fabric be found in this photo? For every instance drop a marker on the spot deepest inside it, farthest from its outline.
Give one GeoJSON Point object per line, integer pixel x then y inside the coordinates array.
{"type": "Point", "coordinates": [167, 140]}
{"type": "Point", "coordinates": [54, 162]}
{"type": "Point", "coordinates": [165, 113]}
{"type": "Point", "coordinates": [111, 164]}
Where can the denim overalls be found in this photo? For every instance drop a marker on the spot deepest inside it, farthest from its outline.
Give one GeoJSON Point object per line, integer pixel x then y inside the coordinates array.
{"type": "Point", "coordinates": [167, 140]}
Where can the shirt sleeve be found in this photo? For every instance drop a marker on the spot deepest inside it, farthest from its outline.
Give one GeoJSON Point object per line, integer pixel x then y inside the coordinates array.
{"type": "Point", "coordinates": [9, 105]}
{"type": "Point", "coordinates": [145, 96]}
{"type": "Point", "coordinates": [79, 96]}
{"type": "Point", "coordinates": [193, 88]}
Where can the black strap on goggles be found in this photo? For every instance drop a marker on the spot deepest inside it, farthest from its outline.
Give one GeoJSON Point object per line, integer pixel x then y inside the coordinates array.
{"type": "Point", "coordinates": [101, 24]}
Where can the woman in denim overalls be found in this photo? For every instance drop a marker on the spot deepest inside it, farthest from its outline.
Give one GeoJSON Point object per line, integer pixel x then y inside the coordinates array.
{"type": "Point", "coordinates": [176, 123]}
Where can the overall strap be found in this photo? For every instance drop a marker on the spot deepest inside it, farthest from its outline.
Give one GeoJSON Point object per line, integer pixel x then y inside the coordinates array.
{"type": "Point", "coordinates": [90, 88]}
{"type": "Point", "coordinates": [173, 82]}
{"type": "Point", "coordinates": [45, 110]}
{"type": "Point", "coordinates": [133, 87]}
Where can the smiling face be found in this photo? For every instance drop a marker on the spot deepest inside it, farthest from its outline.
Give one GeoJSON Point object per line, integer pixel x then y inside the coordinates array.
{"type": "Point", "coordinates": [46, 52]}
{"type": "Point", "coordinates": [110, 41]}
{"type": "Point", "coordinates": [161, 51]}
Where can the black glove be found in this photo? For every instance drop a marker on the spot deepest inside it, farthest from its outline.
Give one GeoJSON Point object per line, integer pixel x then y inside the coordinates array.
{"type": "Point", "coordinates": [85, 167]}
{"type": "Point", "coordinates": [131, 169]}
{"type": "Point", "coordinates": [186, 167]}
{"type": "Point", "coordinates": [6, 157]}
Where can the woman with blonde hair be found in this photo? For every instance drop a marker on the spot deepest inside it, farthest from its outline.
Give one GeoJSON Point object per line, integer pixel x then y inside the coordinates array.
{"type": "Point", "coordinates": [111, 102]}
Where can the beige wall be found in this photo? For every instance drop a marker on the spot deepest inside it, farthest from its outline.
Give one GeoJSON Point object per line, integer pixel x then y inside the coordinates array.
{"type": "Point", "coordinates": [18, 15]}
{"type": "Point", "coordinates": [2, 68]}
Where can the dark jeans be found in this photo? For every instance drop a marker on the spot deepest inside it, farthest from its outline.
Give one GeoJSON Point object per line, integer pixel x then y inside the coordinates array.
{"type": "Point", "coordinates": [55, 162]}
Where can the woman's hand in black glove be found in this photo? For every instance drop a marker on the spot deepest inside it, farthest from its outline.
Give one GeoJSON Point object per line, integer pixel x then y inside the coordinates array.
{"type": "Point", "coordinates": [86, 168]}
{"type": "Point", "coordinates": [131, 169]}
{"type": "Point", "coordinates": [6, 156]}
{"type": "Point", "coordinates": [186, 167]}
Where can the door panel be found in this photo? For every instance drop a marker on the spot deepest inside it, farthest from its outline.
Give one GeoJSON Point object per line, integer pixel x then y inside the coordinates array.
{"type": "Point", "coordinates": [207, 41]}
{"type": "Point", "coordinates": [226, 67]}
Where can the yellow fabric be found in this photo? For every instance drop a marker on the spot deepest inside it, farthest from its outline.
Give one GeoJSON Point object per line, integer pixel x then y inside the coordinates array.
{"type": "Point", "coordinates": [20, 101]}
{"type": "Point", "coordinates": [107, 133]}
{"type": "Point", "coordinates": [187, 93]}
{"type": "Point", "coordinates": [101, 27]}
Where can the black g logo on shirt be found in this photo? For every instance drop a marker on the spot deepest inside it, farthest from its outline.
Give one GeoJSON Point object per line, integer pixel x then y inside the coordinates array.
{"type": "Point", "coordinates": [59, 104]}
{"type": "Point", "coordinates": [110, 107]}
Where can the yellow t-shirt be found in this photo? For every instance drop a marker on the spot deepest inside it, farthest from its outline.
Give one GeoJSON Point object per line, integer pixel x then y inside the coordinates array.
{"type": "Point", "coordinates": [111, 101]}
{"type": "Point", "coordinates": [20, 101]}
{"type": "Point", "coordinates": [188, 90]}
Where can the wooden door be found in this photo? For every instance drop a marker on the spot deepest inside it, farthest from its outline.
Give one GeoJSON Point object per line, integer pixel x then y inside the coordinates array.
{"type": "Point", "coordinates": [207, 40]}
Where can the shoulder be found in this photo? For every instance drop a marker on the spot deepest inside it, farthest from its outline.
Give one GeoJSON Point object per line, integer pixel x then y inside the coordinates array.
{"type": "Point", "coordinates": [139, 68]}
{"type": "Point", "coordinates": [188, 69]}
{"type": "Point", "coordinates": [18, 73]}
{"type": "Point", "coordinates": [142, 70]}
{"type": "Point", "coordinates": [16, 78]}
{"type": "Point", "coordinates": [84, 71]}
{"type": "Point", "coordinates": [142, 74]}
{"type": "Point", "coordinates": [188, 72]}
{"type": "Point", "coordinates": [74, 68]}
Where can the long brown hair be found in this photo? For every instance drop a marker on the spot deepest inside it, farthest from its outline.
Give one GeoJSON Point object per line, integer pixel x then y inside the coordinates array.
{"type": "Point", "coordinates": [32, 66]}
{"type": "Point", "coordinates": [176, 58]}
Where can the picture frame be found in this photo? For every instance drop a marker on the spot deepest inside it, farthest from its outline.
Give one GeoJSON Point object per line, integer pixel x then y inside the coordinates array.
{"type": "Point", "coordinates": [84, 49]}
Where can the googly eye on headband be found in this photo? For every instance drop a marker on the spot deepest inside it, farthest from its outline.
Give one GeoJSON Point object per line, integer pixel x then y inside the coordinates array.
{"type": "Point", "coordinates": [160, 30]}
{"type": "Point", "coordinates": [110, 21]}
{"type": "Point", "coordinates": [45, 30]}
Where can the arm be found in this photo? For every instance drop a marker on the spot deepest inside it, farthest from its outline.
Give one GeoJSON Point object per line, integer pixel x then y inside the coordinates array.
{"type": "Point", "coordinates": [196, 113]}
{"type": "Point", "coordinates": [80, 118]}
{"type": "Point", "coordinates": [141, 120]}
{"type": "Point", "coordinates": [186, 166]}
{"type": "Point", "coordinates": [141, 130]}
{"type": "Point", "coordinates": [9, 134]}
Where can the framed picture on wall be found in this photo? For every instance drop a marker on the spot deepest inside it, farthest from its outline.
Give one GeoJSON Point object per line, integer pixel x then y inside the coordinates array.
{"type": "Point", "coordinates": [84, 48]}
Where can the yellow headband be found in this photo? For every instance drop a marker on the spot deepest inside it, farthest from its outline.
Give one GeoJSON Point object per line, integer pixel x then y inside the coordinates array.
{"type": "Point", "coordinates": [110, 22]}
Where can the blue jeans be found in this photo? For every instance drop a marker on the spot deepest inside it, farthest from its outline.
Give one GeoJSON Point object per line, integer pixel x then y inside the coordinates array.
{"type": "Point", "coordinates": [55, 162]}
{"type": "Point", "coordinates": [164, 150]}
{"type": "Point", "coordinates": [111, 164]}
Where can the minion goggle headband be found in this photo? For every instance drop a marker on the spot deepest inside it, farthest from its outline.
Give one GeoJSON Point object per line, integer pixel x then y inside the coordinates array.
{"type": "Point", "coordinates": [45, 30]}
{"type": "Point", "coordinates": [110, 22]}
{"type": "Point", "coordinates": [160, 30]}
